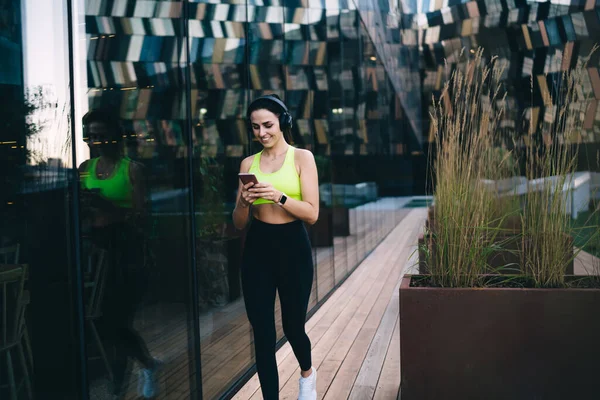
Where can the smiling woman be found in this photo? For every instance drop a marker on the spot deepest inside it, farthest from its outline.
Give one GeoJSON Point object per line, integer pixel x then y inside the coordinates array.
{"type": "Point", "coordinates": [285, 196]}
{"type": "Point", "coordinates": [288, 181]}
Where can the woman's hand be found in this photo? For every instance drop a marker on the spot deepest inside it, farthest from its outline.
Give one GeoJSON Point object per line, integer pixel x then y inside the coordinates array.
{"type": "Point", "coordinates": [265, 191]}
{"type": "Point", "coordinates": [247, 197]}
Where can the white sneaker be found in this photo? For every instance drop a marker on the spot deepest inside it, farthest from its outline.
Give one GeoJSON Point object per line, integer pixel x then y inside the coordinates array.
{"type": "Point", "coordinates": [308, 387]}
{"type": "Point", "coordinates": [148, 380]}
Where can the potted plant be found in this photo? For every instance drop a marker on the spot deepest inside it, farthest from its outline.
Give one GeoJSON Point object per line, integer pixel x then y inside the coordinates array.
{"type": "Point", "coordinates": [469, 334]}
{"type": "Point", "coordinates": [500, 177]}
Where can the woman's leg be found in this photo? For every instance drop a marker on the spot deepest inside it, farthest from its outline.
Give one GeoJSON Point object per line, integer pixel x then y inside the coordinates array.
{"type": "Point", "coordinates": [133, 282]}
{"type": "Point", "coordinates": [258, 284]}
{"type": "Point", "coordinates": [295, 279]}
{"type": "Point", "coordinates": [136, 283]}
{"type": "Point", "coordinates": [119, 313]}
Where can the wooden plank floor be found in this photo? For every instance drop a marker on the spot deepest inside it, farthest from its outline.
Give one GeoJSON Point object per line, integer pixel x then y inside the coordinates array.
{"type": "Point", "coordinates": [354, 335]}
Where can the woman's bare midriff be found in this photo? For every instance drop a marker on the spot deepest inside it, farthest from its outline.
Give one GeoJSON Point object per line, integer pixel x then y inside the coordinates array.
{"type": "Point", "coordinates": [271, 214]}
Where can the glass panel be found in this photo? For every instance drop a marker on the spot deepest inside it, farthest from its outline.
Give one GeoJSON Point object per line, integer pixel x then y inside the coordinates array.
{"type": "Point", "coordinates": [569, 28]}
{"type": "Point", "coordinates": [300, 102]}
{"type": "Point", "coordinates": [36, 246]}
{"type": "Point", "coordinates": [330, 196]}
{"type": "Point", "coordinates": [351, 240]}
{"type": "Point", "coordinates": [579, 25]}
{"type": "Point", "coordinates": [341, 231]}
{"type": "Point", "coordinates": [551, 26]}
{"type": "Point", "coordinates": [218, 102]}
{"type": "Point", "coordinates": [359, 51]}
{"type": "Point", "coordinates": [134, 161]}
{"type": "Point", "coordinates": [342, 120]}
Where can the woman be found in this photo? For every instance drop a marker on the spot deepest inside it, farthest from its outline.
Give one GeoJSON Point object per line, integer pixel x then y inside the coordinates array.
{"type": "Point", "coordinates": [277, 255]}
{"type": "Point", "coordinates": [114, 208]}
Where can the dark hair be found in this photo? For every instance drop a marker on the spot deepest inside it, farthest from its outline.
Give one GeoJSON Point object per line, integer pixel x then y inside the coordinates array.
{"type": "Point", "coordinates": [108, 117]}
{"type": "Point", "coordinates": [266, 104]}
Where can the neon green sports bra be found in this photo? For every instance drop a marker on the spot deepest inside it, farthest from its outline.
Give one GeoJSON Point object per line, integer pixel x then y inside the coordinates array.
{"type": "Point", "coordinates": [117, 188]}
{"type": "Point", "coordinates": [286, 179]}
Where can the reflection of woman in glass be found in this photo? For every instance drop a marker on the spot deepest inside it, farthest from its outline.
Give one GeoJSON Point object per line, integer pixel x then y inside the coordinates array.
{"type": "Point", "coordinates": [114, 205]}
{"type": "Point", "coordinates": [277, 255]}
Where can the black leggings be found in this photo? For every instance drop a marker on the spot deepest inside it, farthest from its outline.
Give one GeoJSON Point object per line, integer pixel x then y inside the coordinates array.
{"type": "Point", "coordinates": [126, 282]}
{"type": "Point", "coordinates": [277, 257]}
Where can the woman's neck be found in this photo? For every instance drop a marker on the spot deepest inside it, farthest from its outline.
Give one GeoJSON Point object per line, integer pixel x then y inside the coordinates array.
{"type": "Point", "coordinates": [276, 151]}
{"type": "Point", "coordinates": [109, 154]}
{"type": "Point", "coordinates": [110, 158]}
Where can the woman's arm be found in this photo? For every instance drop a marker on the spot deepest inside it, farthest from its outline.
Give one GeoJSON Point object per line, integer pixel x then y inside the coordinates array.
{"type": "Point", "coordinates": [241, 212]}
{"type": "Point", "coordinates": [308, 209]}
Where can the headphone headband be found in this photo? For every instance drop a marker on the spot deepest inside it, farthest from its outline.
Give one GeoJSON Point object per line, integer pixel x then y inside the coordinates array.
{"type": "Point", "coordinates": [285, 119]}
{"type": "Point", "coordinates": [273, 99]}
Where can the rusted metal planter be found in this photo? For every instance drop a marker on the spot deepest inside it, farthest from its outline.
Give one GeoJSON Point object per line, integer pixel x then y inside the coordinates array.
{"type": "Point", "coordinates": [499, 343]}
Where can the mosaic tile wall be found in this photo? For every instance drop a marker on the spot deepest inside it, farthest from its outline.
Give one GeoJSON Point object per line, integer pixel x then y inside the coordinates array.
{"type": "Point", "coordinates": [535, 41]}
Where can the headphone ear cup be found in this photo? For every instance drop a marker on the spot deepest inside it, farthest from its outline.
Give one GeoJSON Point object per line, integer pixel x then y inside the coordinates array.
{"type": "Point", "coordinates": [285, 121]}
{"type": "Point", "coordinates": [282, 121]}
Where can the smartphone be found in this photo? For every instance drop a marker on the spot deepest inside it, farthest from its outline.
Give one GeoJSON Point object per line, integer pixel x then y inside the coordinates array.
{"type": "Point", "coordinates": [246, 178]}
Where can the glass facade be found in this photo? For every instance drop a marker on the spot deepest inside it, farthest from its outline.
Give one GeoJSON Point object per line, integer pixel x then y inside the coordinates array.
{"type": "Point", "coordinates": [535, 42]}
{"type": "Point", "coordinates": [147, 100]}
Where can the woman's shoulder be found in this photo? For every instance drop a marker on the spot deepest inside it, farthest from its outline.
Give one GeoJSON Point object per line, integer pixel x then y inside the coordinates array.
{"type": "Point", "coordinates": [84, 166]}
{"type": "Point", "coordinates": [247, 162]}
{"type": "Point", "coordinates": [303, 155]}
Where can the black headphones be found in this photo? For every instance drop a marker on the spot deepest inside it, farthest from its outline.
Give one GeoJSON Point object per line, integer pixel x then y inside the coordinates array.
{"type": "Point", "coordinates": [285, 118]}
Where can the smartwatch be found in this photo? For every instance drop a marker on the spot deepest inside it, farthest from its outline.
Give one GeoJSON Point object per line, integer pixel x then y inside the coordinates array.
{"type": "Point", "coordinates": [283, 199]}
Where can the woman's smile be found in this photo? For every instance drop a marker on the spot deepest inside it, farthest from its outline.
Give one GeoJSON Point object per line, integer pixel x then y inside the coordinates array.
{"type": "Point", "coordinates": [265, 139]}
